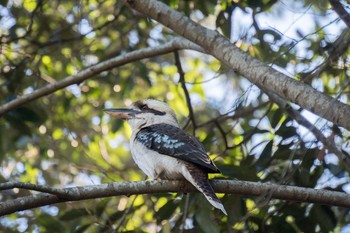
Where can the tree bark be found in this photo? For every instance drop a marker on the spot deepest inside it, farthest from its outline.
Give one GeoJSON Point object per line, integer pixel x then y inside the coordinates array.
{"type": "Point", "coordinates": [265, 190]}
{"type": "Point", "coordinates": [173, 45]}
{"type": "Point", "coordinates": [253, 69]}
{"type": "Point", "coordinates": [343, 14]}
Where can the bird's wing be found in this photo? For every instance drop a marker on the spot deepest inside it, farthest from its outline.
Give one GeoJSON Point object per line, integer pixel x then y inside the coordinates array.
{"type": "Point", "coordinates": [172, 141]}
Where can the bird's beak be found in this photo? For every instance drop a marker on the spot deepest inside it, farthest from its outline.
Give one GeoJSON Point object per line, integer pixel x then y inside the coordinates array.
{"type": "Point", "coordinates": [122, 113]}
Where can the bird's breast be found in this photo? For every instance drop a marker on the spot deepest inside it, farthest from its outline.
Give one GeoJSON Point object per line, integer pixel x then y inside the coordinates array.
{"type": "Point", "coordinates": [154, 164]}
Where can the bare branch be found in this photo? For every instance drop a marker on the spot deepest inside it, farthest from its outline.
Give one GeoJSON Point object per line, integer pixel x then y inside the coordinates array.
{"type": "Point", "coordinates": [170, 46]}
{"type": "Point", "coordinates": [337, 49]}
{"type": "Point", "coordinates": [239, 113]}
{"type": "Point", "coordinates": [187, 94]}
{"type": "Point", "coordinates": [33, 187]}
{"type": "Point", "coordinates": [296, 115]}
{"type": "Point", "coordinates": [274, 191]}
{"type": "Point", "coordinates": [253, 69]}
{"type": "Point", "coordinates": [122, 218]}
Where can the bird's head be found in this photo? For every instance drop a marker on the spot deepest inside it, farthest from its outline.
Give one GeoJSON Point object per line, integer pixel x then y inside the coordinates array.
{"type": "Point", "coordinates": [145, 112]}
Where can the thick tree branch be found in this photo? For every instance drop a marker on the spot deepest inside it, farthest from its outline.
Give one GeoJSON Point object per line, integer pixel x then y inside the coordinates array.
{"type": "Point", "coordinates": [339, 9]}
{"type": "Point", "coordinates": [250, 67]}
{"type": "Point", "coordinates": [274, 191]}
{"type": "Point", "coordinates": [175, 44]}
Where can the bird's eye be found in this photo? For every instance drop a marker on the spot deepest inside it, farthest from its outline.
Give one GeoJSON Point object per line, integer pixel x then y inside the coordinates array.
{"type": "Point", "coordinates": [143, 107]}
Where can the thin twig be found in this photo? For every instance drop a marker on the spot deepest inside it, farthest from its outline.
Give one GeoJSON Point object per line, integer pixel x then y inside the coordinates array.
{"type": "Point", "coordinates": [241, 112]}
{"type": "Point", "coordinates": [223, 134]}
{"type": "Point", "coordinates": [30, 26]}
{"type": "Point", "coordinates": [187, 94]}
{"type": "Point", "coordinates": [253, 69]}
{"type": "Point", "coordinates": [296, 115]}
{"type": "Point", "coordinates": [175, 44]}
{"type": "Point", "coordinates": [126, 212]}
{"type": "Point", "coordinates": [184, 215]}
{"type": "Point", "coordinates": [337, 49]}
{"type": "Point", "coordinates": [33, 187]}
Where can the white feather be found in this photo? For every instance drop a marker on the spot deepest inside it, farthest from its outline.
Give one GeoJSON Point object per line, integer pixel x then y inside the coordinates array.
{"type": "Point", "coordinates": [154, 164]}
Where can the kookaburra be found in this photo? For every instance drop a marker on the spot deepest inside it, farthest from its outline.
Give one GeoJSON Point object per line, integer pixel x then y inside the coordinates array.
{"type": "Point", "coordinates": [164, 151]}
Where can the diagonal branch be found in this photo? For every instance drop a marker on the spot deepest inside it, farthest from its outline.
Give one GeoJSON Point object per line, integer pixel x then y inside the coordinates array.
{"type": "Point", "coordinates": [175, 44]}
{"type": "Point", "coordinates": [253, 69]}
{"type": "Point", "coordinates": [284, 192]}
{"type": "Point", "coordinates": [296, 115]}
{"type": "Point", "coordinates": [340, 10]}
{"type": "Point", "coordinates": [337, 49]}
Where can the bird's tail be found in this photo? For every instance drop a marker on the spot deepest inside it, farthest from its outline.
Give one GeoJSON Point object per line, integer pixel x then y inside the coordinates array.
{"type": "Point", "coordinates": [199, 179]}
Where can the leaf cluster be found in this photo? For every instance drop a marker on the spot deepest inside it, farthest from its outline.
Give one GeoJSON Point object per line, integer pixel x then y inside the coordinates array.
{"type": "Point", "coordinates": [65, 139]}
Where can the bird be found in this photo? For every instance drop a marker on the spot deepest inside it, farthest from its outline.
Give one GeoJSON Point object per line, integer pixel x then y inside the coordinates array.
{"type": "Point", "coordinates": [162, 150]}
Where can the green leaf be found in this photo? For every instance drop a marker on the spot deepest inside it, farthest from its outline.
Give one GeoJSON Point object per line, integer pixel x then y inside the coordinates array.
{"type": "Point", "coordinates": [278, 114]}
{"type": "Point", "coordinates": [143, 71]}
{"type": "Point", "coordinates": [49, 223]}
{"type": "Point", "coordinates": [286, 131]}
{"type": "Point", "coordinates": [117, 124]}
{"type": "Point", "coordinates": [235, 206]}
{"type": "Point", "coordinates": [24, 114]}
{"type": "Point", "coordinates": [166, 211]}
{"type": "Point", "coordinates": [73, 214]}
{"type": "Point", "coordinates": [324, 216]}
{"type": "Point", "coordinates": [82, 228]}
{"type": "Point", "coordinates": [265, 156]}
{"type": "Point", "coordinates": [101, 206]}
{"type": "Point", "coordinates": [223, 21]}
{"type": "Point", "coordinates": [203, 216]}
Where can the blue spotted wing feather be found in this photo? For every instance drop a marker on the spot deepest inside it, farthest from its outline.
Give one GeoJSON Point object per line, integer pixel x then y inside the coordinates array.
{"type": "Point", "coordinates": [172, 141]}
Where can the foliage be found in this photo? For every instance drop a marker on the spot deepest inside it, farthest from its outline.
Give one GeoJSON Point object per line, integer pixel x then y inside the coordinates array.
{"type": "Point", "coordinates": [65, 139]}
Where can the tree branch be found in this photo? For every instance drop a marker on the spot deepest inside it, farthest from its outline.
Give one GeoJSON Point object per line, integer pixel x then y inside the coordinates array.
{"type": "Point", "coordinates": [296, 115]}
{"type": "Point", "coordinates": [266, 190]}
{"type": "Point", "coordinates": [342, 13]}
{"type": "Point", "coordinates": [33, 187]}
{"type": "Point", "coordinates": [175, 44]}
{"type": "Point", "coordinates": [187, 94]}
{"type": "Point", "coordinates": [337, 49]}
{"type": "Point", "coordinates": [253, 69]}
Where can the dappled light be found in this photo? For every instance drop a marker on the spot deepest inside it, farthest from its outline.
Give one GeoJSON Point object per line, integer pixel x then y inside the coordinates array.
{"type": "Point", "coordinates": [263, 85]}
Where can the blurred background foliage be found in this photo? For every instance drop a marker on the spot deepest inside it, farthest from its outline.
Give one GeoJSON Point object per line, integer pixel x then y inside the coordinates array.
{"type": "Point", "coordinates": [65, 139]}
